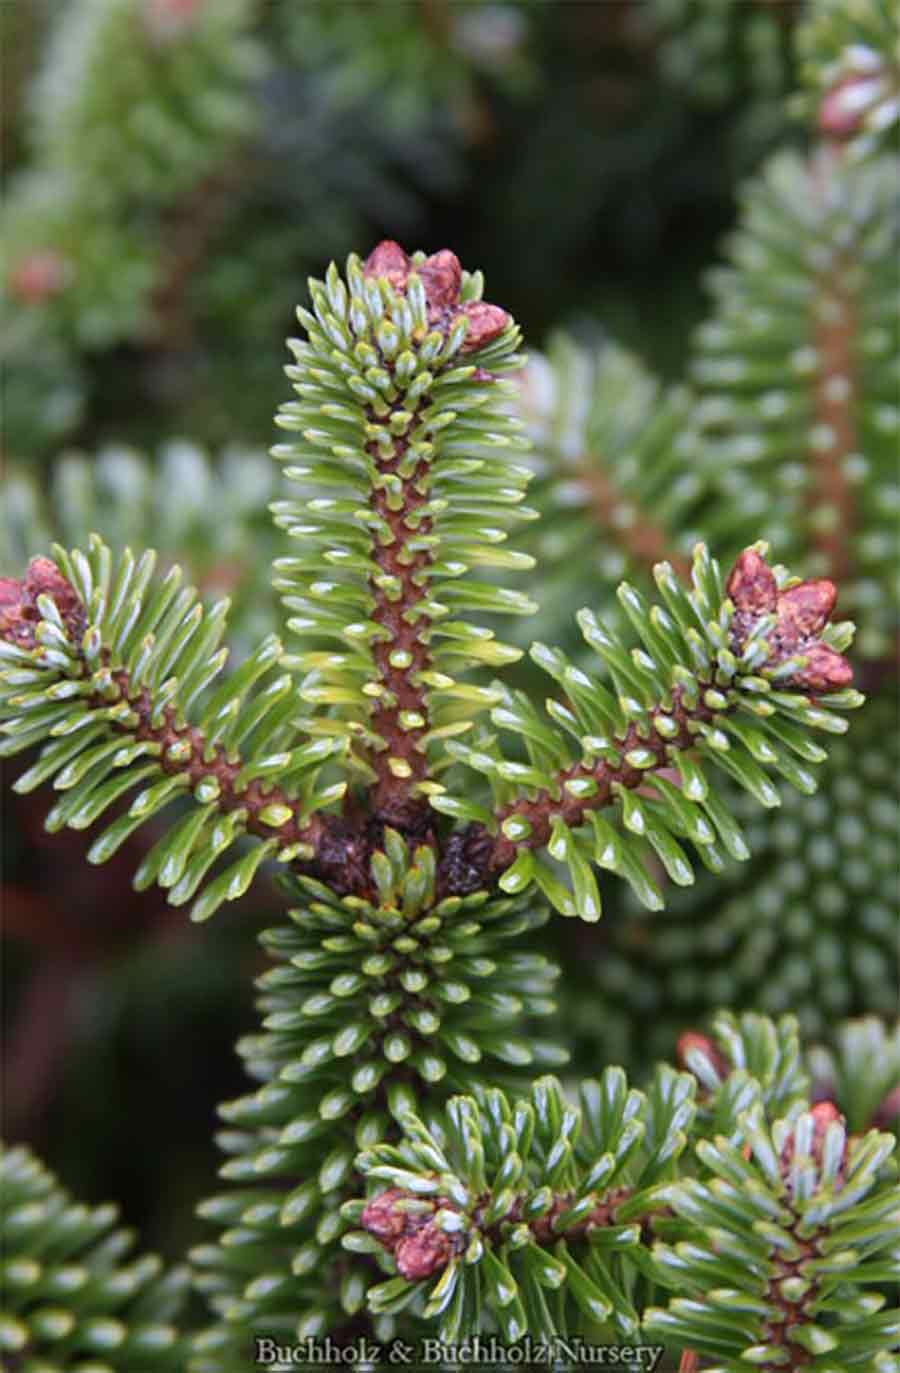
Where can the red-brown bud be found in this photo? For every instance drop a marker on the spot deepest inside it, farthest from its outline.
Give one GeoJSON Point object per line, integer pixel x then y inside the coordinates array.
{"type": "Point", "coordinates": [843, 111]}
{"type": "Point", "coordinates": [405, 1226]}
{"type": "Point", "coordinates": [18, 602]}
{"type": "Point", "coordinates": [801, 613]}
{"type": "Point", "coordinates": [751, 584]}
{"type": "Point", "coordinates": [40, 274]}
{"type": "Point", "coordinates": [805, 609]}
{"type": "Point", "coordinates": [825, 670]}
{"type": "Point", "coordinates": [423, 1253]}
{"type": "Point", "coordinates": [441, 276]}
{"type": "Point", "coordinates": [388, 260]}
{"type": "Point", "coordinates": [383, 1218]}
{"type": "Point", "coordinates": [486, 322]}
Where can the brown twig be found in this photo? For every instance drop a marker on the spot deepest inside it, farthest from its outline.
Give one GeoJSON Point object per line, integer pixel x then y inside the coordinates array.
{"type": "Point", "coordinates": [645, 541]}
{"type": "Point", "coordinates": [836, 330]}
{"type": "Point", "coordinates": [421, 1248]}
{"type": "Point", "coordinates": [404, 654]}
{"type": "Point", "coordinates": [540, 810]}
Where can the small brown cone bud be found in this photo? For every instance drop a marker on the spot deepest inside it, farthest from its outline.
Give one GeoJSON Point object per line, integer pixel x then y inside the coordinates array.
{"type": "Point", "coordinates": [823, 1113]}
{"type": "Point", "coordinates": [843, 111]}
{"type": "Point", "coordinates": [18, 602]}
{"type": "Point", "coordinates": [486, 322]}
{"type": "Point", "coordinates": [40, 274]}
{"type": "Point", "coordinates": [800, 614]}
{"type": "Point", "coordinates": [383, 1218]}
{"type": "Point", "coordinates": [825, 670]}
{"type": "Point", "coordinates": [441, 276]}
{"type": "Point", "coordinates": [422, 1253]}
{"type": "Point", "coordinates": [388, 260]}
{"type": "Point", "coordinates": [751, 584]}
{"type": "Point", "coordinates": [804, 610]}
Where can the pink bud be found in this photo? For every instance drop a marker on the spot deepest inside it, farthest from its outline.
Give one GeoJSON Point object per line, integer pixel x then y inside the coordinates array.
{"type": "Point", "coordinates": [383, 1218]}
{"type": "Point", "coordinates": [486, 322]}
{"type": "Point", "coordinates": [18, 601]}
{"type": "Point", "coordinates": [825, 670]}
{"type": "Point", "coordinates": [805, 609]}
{"type": "Point", "coordinates": [441, 276]}
{"type": "Point", "coordinates": [751, 584]}
{"type": "Point", "coordinates": [38, 276]}
{"type": "Point", "coordinates": [422, 1253]}
{"type": "Point", "coordinates": [388, 260]}
{"type": "Point", "coordinates": [843, 111]}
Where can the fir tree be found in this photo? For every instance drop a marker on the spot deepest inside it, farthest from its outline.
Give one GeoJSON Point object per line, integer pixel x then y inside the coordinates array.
{"type": "Point", "coordinates": [433, 798]}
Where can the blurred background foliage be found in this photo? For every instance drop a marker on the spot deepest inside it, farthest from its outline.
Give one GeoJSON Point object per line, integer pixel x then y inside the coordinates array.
{"type": "Point", "coordinates": [175, 169]}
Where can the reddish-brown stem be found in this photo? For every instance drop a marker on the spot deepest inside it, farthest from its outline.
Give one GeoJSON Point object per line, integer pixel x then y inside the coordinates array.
{"type": "Point", "coordinates": [836, 329]}
{"type": "Point", "coordinates": [421, 1248]}
{"type": "Point", "coordinates": [338, 857]}
{"type": "Point", "coordinates": [540, 810]}
{"type": "Point", "coordinates": [644, 540]}
{"type": "Point", "coordinates": [391, 800]}
{"type": "Point", "coordinates": [689, 1362]}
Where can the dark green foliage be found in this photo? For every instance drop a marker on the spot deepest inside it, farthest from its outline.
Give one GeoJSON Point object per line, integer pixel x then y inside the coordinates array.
{"type": "Point", "coordinates": [137, 101]}
{"type": "Point", "coordinates": [811, 926]}
{"type": "Point", "coordinates": [783, 1249]}
{"type": "Point", "coordinates": [406, 484]}
{"type": "Point", "coordinates": [371, 1005]}
{"type": "Point", "coordinates": [798, 377]}
{"type": "Point", "coordinates": [738, 55]}
{"type": "Point", "coordinates": [71, 1299]}
{"type": "Point", "coordinates": [544, 1215]}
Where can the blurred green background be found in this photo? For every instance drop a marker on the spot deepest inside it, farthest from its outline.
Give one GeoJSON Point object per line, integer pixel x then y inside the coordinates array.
{"type": "Point", "coordinates": [175, 170]}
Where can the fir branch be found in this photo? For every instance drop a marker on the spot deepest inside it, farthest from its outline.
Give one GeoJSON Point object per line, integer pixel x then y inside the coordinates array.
{"type": "Point", "coordinates": [832, 507]}
{"type": "Point", "coordinates": [768, 654]}
{"type": "Point", "coordinates": [772, 1240]}
{"type": "Point", "coordinates": [69, 1300]}
{"type": "Point", "coordinates": [786, 1232]}
{"type": "Point", "coordinates": [373, 1007]}
{"type": "Point", "coordinates": [401, 656]}
{"type": "Point", "coordinates": [514, 1198]}
{"type": "Point", "coordinates": [644, 541]}
{"type": "Point", "coordinates": [399, 437]}
{"type": "Point", "coordinates": [101, 671]}
{"type": "Point", "coordinates": [563, 801]}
